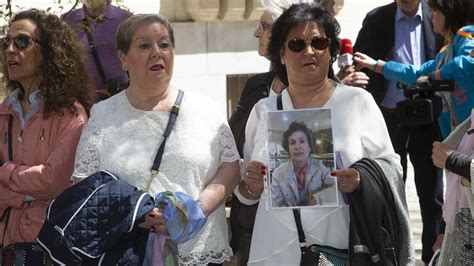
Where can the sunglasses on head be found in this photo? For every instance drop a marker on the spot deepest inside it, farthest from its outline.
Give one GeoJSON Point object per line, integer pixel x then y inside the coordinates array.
{"type": "Point", "coordinates": [20, 42]}
{"type": "Point", "coordinates": [318, 43]}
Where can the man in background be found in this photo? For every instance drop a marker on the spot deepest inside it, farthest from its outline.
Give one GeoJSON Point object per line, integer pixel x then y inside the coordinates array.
{"type": "Point", "coordinates": [402, 31]}
{"type": "Point", "coordinates": [95, 24]}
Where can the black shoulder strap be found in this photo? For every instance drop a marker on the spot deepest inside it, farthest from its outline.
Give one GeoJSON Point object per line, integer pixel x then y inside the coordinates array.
{"type": "Point", "coordinates": [279, 102]}
{"type": "Point", "coordinates": [95, 55]}
{"type": "Point", "coordinates": [10, 141]}
{"type": "Point", "coordinates": [172, 118]}
{"type": "Point", "coordinates": [301, 236]}
{"type": "Point", "coordinates": [6, 213]}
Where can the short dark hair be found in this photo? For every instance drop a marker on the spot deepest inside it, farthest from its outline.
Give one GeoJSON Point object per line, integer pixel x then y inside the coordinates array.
{"type": "Point", "coordinates": [297, 126]}
{"type": "Point", "coordinates": [294, 16]}
{"type": "Point", "coordinates": [128, 27]}
{"type": "Point", "coordinates": [457, 13]}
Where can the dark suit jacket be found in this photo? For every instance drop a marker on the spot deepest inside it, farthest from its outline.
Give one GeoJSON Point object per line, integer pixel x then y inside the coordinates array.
{"type": "Point", "coordinates": [256, 88]}
{"type": "Point", "coordinates": [377, 37]}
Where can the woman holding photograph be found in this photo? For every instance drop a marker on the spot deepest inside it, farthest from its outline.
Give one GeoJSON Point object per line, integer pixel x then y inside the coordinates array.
{"type": "Point", "coordinates": [296, 181]}
{"type": "Point", "coordinates": [304, 43]}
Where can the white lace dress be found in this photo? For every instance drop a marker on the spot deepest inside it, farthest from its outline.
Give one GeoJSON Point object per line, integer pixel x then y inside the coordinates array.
{"type": "Point", "coordinates": [124, 140]}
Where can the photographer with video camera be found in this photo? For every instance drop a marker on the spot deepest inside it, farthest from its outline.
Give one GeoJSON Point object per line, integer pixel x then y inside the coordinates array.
{"type": "Point", "coordinates": [454, 20]}
{"type": "Point", "coordinates": [402, 31]}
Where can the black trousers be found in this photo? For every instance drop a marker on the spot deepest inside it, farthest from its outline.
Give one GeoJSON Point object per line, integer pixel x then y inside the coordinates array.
{"type": "Point", "coordinates": [417, 142]}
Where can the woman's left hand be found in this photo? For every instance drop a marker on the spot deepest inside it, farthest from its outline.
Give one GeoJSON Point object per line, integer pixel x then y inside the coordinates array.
{"type": "Point", "coordinates": [348, 180]}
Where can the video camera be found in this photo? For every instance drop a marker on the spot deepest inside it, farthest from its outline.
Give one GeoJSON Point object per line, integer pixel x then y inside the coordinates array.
{"type": "Point", "coordinates": [422, 106]}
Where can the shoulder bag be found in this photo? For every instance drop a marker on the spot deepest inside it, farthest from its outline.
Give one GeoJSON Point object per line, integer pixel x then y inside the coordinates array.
{"type": "Point", "coordinates": [315, 255]}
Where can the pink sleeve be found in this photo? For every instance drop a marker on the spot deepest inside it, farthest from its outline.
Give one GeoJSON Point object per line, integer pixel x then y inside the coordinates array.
{"type": "Point", "coordinates": [46, 181]}
{"type": "Point", "coordinates": [9, 198]}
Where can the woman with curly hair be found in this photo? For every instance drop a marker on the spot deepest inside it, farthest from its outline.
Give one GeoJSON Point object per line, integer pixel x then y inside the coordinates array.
{"type": "Point", "coordinates": [41, 121]}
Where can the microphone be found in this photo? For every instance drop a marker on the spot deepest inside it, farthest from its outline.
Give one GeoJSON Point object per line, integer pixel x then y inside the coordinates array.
{"type": "Point", "coordinates": [345, 56]}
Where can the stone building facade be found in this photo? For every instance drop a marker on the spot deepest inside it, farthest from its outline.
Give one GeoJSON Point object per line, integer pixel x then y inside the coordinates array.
{"type": "Point", "coordinates": [215, 47]}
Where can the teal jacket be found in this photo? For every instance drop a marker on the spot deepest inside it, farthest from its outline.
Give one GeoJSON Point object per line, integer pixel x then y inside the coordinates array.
{"type": "Point", "coordinates": [456, 62]}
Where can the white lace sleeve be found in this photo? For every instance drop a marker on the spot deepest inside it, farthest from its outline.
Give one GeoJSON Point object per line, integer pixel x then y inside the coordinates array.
{"type": "Point", "coordinates": [228, 149]}
{"type": "Point", "coordinates": [88, 151]}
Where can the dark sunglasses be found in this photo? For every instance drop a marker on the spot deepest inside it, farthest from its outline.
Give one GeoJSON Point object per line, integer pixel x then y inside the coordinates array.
{"type": "Point", "coordinates": [297, 45]}
{"type": "Point", "coordinates": [20, 42]}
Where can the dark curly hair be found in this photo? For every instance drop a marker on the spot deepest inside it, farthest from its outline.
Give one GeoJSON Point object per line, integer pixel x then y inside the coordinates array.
{"type": "Point", "coordinates": [294, 127]}
{"type": "Point", "coordinates": [64, 75]}
{"type": "Point", "coordinates": [457, 13]}
{"type": "Point", "coordinates": [295, 16]}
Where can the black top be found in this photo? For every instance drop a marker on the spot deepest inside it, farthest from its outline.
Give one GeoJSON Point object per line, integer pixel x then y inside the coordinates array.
{"type": "Point", "coordinates": [256, 88]}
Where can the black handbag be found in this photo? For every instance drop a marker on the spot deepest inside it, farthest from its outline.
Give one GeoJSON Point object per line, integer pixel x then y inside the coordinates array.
{"type": "Point", "coordinates": [25, 254]}
{"type": "Point", "coordinates": [315, 255]}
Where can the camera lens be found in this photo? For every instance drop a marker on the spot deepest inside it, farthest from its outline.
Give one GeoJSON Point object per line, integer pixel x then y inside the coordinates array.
{"type": "Point", "coordinates": [419, 110]}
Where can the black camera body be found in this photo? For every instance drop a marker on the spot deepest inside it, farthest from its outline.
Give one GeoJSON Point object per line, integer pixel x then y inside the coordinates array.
{"type": "Point", "coordinates": [423, 106]}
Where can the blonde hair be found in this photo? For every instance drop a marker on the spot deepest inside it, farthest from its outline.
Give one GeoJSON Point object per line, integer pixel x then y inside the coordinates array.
{"type": "Point", "coordinates": [277, 7]}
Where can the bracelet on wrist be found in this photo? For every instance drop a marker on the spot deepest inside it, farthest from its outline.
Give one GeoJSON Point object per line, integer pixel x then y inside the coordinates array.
{"type": "Point", "coordinates": [375, 66]}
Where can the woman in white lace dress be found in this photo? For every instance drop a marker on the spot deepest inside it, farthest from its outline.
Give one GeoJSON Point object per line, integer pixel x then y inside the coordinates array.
{"type": "Point", "coordinates": [125, 131]}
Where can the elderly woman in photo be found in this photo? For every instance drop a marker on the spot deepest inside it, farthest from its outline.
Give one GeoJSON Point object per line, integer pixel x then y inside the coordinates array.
{"type": "Point", "coordinates": [304, 43]}
{"type": "Point", "coordinates": [295, 182]}
{"type": "Point", "coordinates": [125, 131]}
{"type": "Point", "coordinates": [41, 121]}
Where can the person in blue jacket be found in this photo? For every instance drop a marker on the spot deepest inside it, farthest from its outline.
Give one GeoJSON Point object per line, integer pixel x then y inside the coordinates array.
{"type": "Point", "coordinates": [454, 20]}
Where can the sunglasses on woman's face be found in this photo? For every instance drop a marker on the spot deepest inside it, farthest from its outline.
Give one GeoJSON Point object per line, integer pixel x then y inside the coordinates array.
{"type": "Point", "coordinates": [318, 43]}
{"type": "Point", "coordinates": [20, 42]}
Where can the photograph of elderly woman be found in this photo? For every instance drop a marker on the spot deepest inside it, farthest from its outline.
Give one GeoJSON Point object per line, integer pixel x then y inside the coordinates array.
{"type": "Point", "coordinates": [300, 147]}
